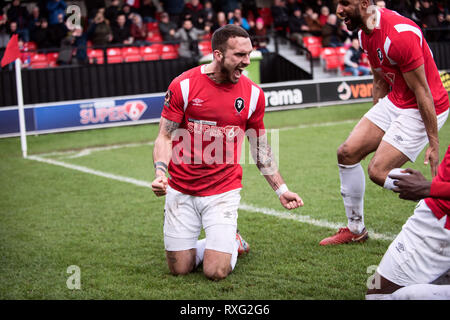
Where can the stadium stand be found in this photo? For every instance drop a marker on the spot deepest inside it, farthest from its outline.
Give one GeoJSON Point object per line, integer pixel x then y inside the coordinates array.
{"type": "Point", "coordinates": [436, 26]}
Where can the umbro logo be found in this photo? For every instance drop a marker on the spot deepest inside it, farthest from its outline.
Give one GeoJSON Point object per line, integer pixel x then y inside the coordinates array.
{"type": "Point", "coordinates": [197, 102]}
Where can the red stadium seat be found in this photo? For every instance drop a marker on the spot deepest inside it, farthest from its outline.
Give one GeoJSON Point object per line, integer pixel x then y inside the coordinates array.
{"type": "Point", "coordinates": [114, 55]}
{"type": "Point", "coordinates": [29, 46]}
{"type": "Point", "coordinates": [169, 51]}
{"type": "Point", "coordinates": [95, 56]}
{"type": "Point", "coordinates": [151, 26]}
{"type": "Point", "coordinates": [52, 59]}
{"type": "Point", "coordinates": [38, 60]}
{"type": "Point", "coordinates": [150, 53]}
{"type": "Point", "coordinates": [266, 15]}
{"type": "Point", "coordinates": [314, 45]}
{"type": "Point", "coordinates": [205, 47]}
{"type": "Point", "coordinates": [330, 59]}
{"type": "Point", "coordinates": [154, 36]}
{"type": "Point", "coordinates": [131, 54]}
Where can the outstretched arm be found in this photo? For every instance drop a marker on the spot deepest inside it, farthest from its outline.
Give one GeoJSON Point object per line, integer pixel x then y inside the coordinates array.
{"type": "Point", "coordinates": [162, 153]}
{"type": "Point", "coordinates": [262, 154]}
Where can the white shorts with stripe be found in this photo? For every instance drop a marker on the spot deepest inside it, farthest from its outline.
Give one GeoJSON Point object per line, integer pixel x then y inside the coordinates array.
{"type": "Point", "coordinates": [421, 251]}
{"type": "Point", "coordinates": [404, 128]}
{"type": "Point", "coordinates": [185, 215]}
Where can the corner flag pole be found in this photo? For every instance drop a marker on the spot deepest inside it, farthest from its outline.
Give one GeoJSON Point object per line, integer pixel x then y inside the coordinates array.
{"type": "Point", "coordinates": [23, 130]}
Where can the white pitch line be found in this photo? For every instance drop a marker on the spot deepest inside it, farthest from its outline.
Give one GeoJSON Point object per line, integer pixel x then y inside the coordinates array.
{"type": "Point", "coordinates": [92, 171]}
{"type": "Point", "coordinates": [71, 154]}
{"type": "Point", "coordinates": [243, 206]}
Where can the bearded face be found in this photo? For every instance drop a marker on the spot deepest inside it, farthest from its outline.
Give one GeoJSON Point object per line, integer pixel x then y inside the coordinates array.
{"type": "Point", "coordinates": [235, 59]}
{"type": "Point", "coordinates": [350, 12]}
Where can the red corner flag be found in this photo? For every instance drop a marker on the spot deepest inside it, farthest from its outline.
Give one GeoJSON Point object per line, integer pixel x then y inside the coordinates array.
{"type": "Point", "coordinates": [12, 51]}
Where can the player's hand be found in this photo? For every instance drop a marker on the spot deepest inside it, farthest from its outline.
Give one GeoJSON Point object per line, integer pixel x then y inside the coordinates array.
{"type": "Point", "coordinates": [432, 158]}
{"type": "Point", "coordinates": [291, 200]}
{"type": "Point", "coordinates": [413, 186]}
{"type": "Point", "coordinates": [159, 186]}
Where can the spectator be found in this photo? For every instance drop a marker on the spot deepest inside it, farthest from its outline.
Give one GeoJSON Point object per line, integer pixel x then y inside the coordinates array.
{"type": "Point", "coordinates": [280, 16]}
{"type": "Point", "coordinates": [34, 19]}
{"type": "Point", "coordinates": [100, 32]}
{"type": "Point", "coordinates": [80, 45]}
{"type": "Point", "coordinates": [128, 12]}
{"type": "Point", "coordinates": [55, 8]}
{"type": "Point", "coordinates": [193, 10]}
{"type": "Point", "coordinates": [312, 20]}
{"type": "Point", "coordinates": [113, 11]}
{"type": "Point", "coordinates": [239, 19]}
{"type": "Point", "coordinates": [292, 5]}
{"type": "Point", "coordinates": [20, 15]}
{"type": "Point", "coordinates": [138, 29]}
{"type": "Point", "coordinates": [12, 29]}
{"type": "Point", "coordinates": [58, 31]}
{"type": "Point", "coordinates": [228, 6]}
{"type": "Point", "coordinates": [174, 8]}
{"type": "Point", "coordinates": [332, 34]}
{"type": "Point", "coordinates": [220, 21]}
{"type": "Point", "coordinates": [147, 11]}
{"type": "Point", "coordinates": [297, 26]}
{"type": "Point", "coordinates": [42, 35]}
{"type": "Point", "coordinates": [92, 7]}
{"type": "Point", "coordinates": [167, 28]}
{"type": "Point", "coordinates": [352, 60]}
{"type": "Point", "coordinates": [401, 7]}
{"type": "Point", "coordinates": [428, 15]}
{"type": "Point", "coordinates": [121, 31]}
{"type": "Point", "coordinates": [259, 36]}
{"type": "Point", "coordinates": [444, 23]}
{"type": "Point", "coordinates": [249, 6]}
{"type": "Point", "coordinates": [188, 36]}
{"type": "Point", "coordinates": [4, 37]}
{"type": "Point", "coordinates": [323, 17]}
{"type": "Point", "coordinates": [209, 14]}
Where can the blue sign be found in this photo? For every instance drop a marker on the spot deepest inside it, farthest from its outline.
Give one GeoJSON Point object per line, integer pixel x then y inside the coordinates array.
{"type": "Point", "coordinates": [83, 114]}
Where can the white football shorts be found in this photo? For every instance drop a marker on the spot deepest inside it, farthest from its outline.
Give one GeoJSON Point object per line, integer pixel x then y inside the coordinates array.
{"type": "Point", "coordinates": [185, 215]}
{"type": "Point", "coordinates": [421, 251]}
{"type": "Point", "coordinates": [404, 128]}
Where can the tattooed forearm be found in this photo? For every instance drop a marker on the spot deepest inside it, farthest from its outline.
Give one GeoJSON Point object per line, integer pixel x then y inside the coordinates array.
{"type": "Point", "coordinates": [262, 154]}
{"type": "Point", "coordinates": [170, 126]}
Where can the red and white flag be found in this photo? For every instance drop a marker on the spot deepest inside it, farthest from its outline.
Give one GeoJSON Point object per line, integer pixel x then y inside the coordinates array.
{"type": "Point", "coordinates": [12, 51]}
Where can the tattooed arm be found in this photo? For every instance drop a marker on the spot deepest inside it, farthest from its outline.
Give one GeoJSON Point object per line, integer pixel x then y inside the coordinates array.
{"type": "Point", "coordinates": [265, 161]}
{"type": "Point", "coordinates": [162, 153]}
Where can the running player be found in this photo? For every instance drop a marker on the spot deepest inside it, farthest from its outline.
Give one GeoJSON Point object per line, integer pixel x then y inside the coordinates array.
{"type": "Point", "coordinates": [410, 106]}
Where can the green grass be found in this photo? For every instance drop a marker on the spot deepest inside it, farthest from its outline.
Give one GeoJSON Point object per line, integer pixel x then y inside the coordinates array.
{"type": "Point", "coordinates": [52, 217]}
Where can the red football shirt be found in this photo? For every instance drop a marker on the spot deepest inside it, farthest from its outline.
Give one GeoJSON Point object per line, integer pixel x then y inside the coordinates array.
{"type": "Point", "coordinates": [213, 119]}
{"type": "Point", "coordinates": [396, 46]}
{"type": "Point", "coordinates": [440, 187]}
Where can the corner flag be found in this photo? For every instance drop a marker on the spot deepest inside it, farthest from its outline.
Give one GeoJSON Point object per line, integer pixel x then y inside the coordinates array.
{"type": "Point", "coordinates": [12, 51]}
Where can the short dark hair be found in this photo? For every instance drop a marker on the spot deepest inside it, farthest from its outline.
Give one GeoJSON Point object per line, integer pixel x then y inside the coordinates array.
{"type": "Point", "coordinates": [221, 36]}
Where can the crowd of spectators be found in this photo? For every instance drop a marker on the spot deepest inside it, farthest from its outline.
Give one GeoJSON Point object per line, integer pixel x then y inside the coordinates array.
{"type": "Point", "coordinates": [44, 22]}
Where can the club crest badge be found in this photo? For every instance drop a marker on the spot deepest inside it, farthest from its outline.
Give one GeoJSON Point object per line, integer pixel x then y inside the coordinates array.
{"type": "Point", "coordinates": [239, 104]}
{"type": "Point", "coordinates": [380, 54]}
{"type": "Point", "coordinates": [167, 98]}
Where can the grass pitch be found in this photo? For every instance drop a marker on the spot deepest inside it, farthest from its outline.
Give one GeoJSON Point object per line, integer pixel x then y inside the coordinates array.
{"type": "Point", "coordinates": [53, 217]}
